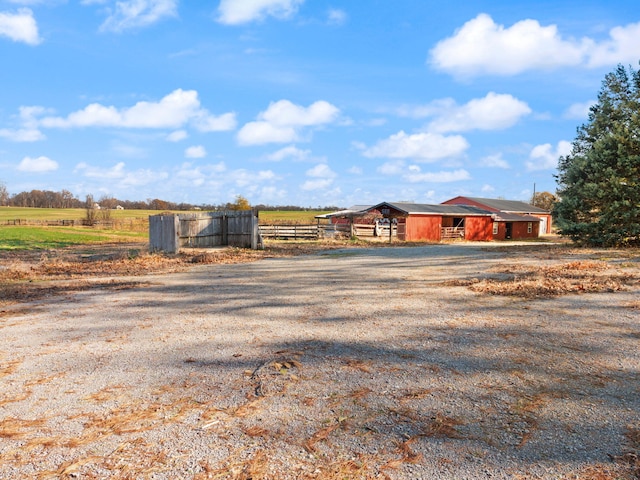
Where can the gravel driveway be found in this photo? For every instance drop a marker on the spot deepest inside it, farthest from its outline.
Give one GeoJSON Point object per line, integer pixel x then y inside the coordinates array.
{"type": "Point", "coordinates": [363, 363]}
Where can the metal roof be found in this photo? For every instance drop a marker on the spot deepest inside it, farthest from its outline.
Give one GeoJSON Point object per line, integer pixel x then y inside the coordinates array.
{"type": "Point", "coordinates": [353, 210]}
{"type": "Point", "coordinates": [428, 209]}
{"type": "Point", "coordinates": [514, 217]}
{"type": "Point", "coordinates": [512, 206]}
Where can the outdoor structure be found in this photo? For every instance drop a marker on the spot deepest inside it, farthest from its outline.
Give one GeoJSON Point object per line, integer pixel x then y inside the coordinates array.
{"type": "Point", "coordinates": [515, 219]}
{"type": "Point", "coordinates": [169, 233]}
{"type": "Point", "coordinates": [424, 222]}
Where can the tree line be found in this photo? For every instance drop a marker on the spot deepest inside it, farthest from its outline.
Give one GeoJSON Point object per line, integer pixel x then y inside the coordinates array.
{"type": "Point", "coordinates": [66, 199]}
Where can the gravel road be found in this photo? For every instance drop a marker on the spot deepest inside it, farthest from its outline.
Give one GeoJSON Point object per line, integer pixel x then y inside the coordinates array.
{"type": "Point", "coordinates": [362, 363]}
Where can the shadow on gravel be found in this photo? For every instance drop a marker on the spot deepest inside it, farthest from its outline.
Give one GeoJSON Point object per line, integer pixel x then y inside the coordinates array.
{"type": "Point", "coordinates": [360, 364]}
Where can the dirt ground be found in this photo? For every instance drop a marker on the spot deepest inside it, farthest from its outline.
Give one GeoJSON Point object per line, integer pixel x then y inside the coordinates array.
{"type": "Point", "coordinates": [437, 361]}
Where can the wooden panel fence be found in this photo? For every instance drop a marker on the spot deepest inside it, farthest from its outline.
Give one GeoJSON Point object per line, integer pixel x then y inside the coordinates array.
{"type": "Point", "coordinates": [169, 233]}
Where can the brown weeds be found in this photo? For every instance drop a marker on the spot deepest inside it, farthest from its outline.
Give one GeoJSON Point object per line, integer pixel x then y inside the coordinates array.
{"type": "Point", "coordinates": [549, 281]}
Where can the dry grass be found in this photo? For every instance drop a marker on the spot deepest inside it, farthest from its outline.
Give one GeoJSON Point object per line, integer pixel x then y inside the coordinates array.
{"type": "Point", "coordinates": [32, 275]}
{"type": "Point", "coordinates": [529, 281]}
{"type": "Point", "coordinates": [319, 436]}
{"type": "Point", "coordinates": [255, 468]}
{"type": "Point", "coordinates": [18, 428]}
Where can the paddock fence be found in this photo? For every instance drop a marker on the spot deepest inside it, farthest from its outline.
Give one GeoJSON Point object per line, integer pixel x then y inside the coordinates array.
{"type": "Point", "coordinates": [137, 224]}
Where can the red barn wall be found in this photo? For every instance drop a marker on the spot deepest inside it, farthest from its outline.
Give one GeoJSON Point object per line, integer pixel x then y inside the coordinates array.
{"type": "Point", "coordinates": [423, 228]}
{"type": "Point", "coordinates": [520, 230]}
{"type": "Point", "coordinates": [478, 229]}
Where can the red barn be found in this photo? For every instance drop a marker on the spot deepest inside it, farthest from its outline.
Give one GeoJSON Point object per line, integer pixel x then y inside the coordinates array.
{"type": "Point", "coordinates": [423, 222]}
{"type": "Point", "coordinates": [515, 219]}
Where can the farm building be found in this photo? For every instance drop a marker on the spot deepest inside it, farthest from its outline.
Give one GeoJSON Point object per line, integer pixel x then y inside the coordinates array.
{"type": "Point", "coordinates": [426, 222]}
{"type": "Point", "coordinates": [515, 219]}
{"type": "Point", "coordinates": [423, 222]}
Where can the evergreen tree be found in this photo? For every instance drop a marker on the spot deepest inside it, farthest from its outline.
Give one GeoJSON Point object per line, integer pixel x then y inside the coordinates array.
{"type": "Point", "coordinates": [599, 181]}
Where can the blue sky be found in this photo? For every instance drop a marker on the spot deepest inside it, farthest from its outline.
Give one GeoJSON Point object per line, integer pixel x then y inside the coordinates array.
{"type": "Point", "coordinates": [300, 102]}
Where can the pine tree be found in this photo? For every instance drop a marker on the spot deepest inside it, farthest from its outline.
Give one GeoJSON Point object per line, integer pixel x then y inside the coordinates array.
{"type": "Point", "coordinates": [599, 181]}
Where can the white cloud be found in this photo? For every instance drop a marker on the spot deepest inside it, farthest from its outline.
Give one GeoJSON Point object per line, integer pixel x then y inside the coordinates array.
{"type": "Point", "coordinates": [244, 178]}
{"type": "Point", "coordinates": [289, 152]}
{"type": "Point", "coordinates": [20, 26]}
{"type": "Point", "coordinates": [205, 122]}
{"type": "Point", "coordinates": [235, 12]}
{"type": "Point", "coordinates": [355, 170]}
{"type": "Point", "coordinates": [492, 112]}
{"type": "Point", "coordinates": [336, 16]}
{"type": "Point", "coordinates": [22, 135]}
{"type": "Point", "coordinates": [258, 133]}
{"type": "Point", "coordinates": [392, 168]}
{"type": "Point", "coordinates": [197, 175]}
{"type": "Point", "coordinates": [129, 14]}
{"type": "Point", "coordinates": [545, 157]}
{"type": "Point", "coordinates": [317, 184]}
{"type": "Point", "coordinates": [419, 146]}
{"type": "Point", "coordinates": [322, 177]}
{"type": "Point", "coordinates": [494, 161]}
{"type": "Point", "coordinates": [282, 121]}
{"type": "Point", "coordinates": [438, 177]}
{"type": "Point", "coordinates": [196, 151]}
{"type": "Point", "coordinates": [175, 110]}
{"type": "Point", "coordinates": [579, 111]}
{"type": "Point", "coordinates": [117, 171]}
{"type": "Point", "coordinates": [37, 165]}
{"type": "Point", "coordinates": [622, 47]}
{"type": "Point", "coordinates": [527, 45]}
{"type": "Point", "coordinates": [177, 136]}
{"type": "Point", "coordinates": [286, 113]}
{"type": "Point", "coordinates": [120, 175]}
{"type": "Point", "coordinates": [486, 188]}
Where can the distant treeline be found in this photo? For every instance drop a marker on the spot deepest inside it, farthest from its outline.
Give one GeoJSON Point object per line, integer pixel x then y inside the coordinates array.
{"type": "Point", "coordinates": [65, 199]}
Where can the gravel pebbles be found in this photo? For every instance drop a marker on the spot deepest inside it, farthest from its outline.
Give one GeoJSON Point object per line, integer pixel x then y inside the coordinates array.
{"type": "Point", "coordinates": [360, 363]}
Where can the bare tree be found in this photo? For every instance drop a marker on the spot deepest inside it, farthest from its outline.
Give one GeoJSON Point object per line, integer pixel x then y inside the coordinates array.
{"type": "Point", "coordinates": [91, 212]}
{"type": "Point", "coordinates": [4, 195]}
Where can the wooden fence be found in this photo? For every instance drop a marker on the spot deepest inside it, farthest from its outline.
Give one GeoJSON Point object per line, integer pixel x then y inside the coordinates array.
{"type": "Point", "coordinates": [315, 231]}
{"type": "Point", "coordinates": [304, 231]}
{"type": "Point", "coordinates": [132, 224]}
{"type": "Point", "coordinates": [169, 233]}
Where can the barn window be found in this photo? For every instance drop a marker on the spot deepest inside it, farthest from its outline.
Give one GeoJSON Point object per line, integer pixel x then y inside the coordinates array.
{"type": "Point", "coordinates": [529, 227]}
{"type": "Point", "coordinates": [495, 228]}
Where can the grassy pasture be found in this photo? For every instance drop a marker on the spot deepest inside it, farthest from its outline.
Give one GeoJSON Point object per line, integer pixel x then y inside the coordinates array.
{"type": "Point", "coordinates": [306, 216]}
{"type": "Point", "coordinates": [40, 238]}
{"type": "Point", "coordinates": [12, 213]}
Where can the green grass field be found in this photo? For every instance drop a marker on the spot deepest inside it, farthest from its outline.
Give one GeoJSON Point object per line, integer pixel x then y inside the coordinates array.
{"type": "Point", "coordinates": [38, 238]}
{"type": "Point", "coordinates": [13, 213]}
{"type": "Point", "coordinates": [307, 216]}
